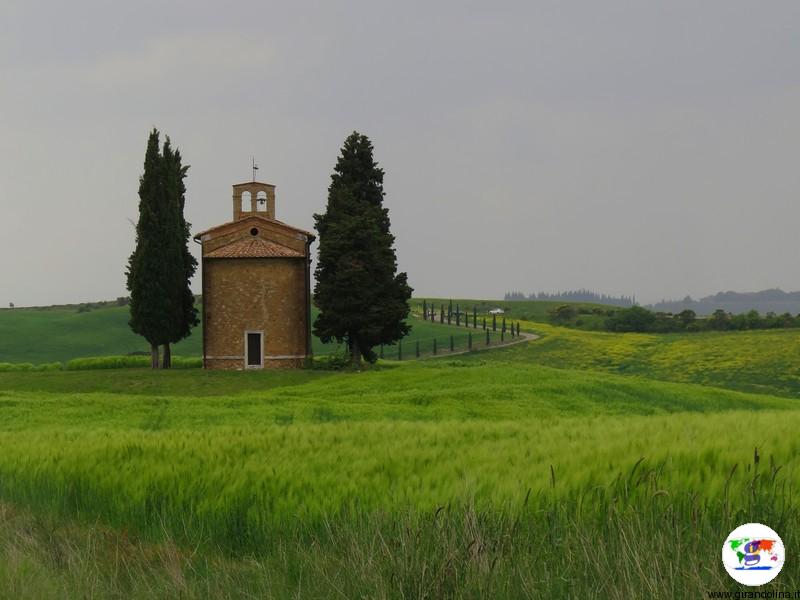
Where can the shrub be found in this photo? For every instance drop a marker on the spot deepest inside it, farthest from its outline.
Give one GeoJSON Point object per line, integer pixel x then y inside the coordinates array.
{"type": "Point", "coordinates": [336, 361]}
{"type": "Point", "coordinates": [128, 362]}
{"type": "Point", "coordinates": [563, 313]}
{"type": "Point", "coordinates": [16, 367]}
{"type": "Point", "coordinates": [54, 366]}
{"type": "Point", "coordinates": [633, 319]}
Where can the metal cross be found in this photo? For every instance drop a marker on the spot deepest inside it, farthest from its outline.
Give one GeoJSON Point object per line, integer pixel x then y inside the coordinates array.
{"type": "Point", "coordinates": [255, 168]}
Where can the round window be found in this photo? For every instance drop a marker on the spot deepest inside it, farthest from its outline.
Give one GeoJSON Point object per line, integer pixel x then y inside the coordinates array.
{"type": "Point", "coordinates": [254, 231]}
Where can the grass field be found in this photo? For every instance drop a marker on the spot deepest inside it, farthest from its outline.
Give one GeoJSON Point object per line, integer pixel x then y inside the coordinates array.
{"type": "Point", "coordinates": [60, 334]}
{"type": "Point", "coordinates": [386, 441]}
{"type": "Point", "coordinates": [561, 468]}
{"type": "Point", "coordinates": [766, 361]}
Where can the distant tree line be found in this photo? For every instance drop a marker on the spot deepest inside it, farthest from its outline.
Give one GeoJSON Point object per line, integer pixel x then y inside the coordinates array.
{"type": "Point", "coordinates": [773, 300]}
{"type": "Point", "coordinates": [573, 296]}
{"type": "Point", "coordinates": [566, 314]}
{"type": "Point", "coordinates": [642, 320]}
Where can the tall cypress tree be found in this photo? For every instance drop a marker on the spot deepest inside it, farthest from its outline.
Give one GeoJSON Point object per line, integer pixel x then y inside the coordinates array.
{"type": "Point", "coordinates": [362, 299]}
{"type": "Point", "coordinates": [179, 260]}
{"type": "Point", "coordinates": [148, 274]}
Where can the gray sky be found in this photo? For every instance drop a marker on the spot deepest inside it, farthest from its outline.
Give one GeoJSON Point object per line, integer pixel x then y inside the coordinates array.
{"type": "Point", "coordinates": [628, 147]}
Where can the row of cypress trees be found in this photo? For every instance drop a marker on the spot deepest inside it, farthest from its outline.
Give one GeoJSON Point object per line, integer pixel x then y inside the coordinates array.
{"type": "Point", "coordinates": [162, 306]}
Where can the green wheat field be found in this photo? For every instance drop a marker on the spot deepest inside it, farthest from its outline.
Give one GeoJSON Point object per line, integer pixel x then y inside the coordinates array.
{"type": "Point", "coordinates": [580, 465]}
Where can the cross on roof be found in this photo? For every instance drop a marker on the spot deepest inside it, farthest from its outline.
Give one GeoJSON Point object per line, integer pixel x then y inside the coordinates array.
{"type": "Point", "coordinates": [255, 168]}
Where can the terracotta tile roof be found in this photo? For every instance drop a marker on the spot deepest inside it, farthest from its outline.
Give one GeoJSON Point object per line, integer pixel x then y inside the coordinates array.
{"type": "Point", "coordinates": [253, 218]}
{"type": "Point", "coordinates": [253, 248]}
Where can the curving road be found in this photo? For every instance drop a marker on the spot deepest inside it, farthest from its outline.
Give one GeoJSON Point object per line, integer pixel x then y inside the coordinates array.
{"type": "Point", "coordinates": [510, 341]}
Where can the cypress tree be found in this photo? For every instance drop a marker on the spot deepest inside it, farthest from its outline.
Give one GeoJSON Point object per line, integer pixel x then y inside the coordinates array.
{"type": "Point", "coordinates": [182, 265]}
{"type": "Point", "coordinates": [362, 299]}
{"type": "Point", "coordinates": [148, 274]}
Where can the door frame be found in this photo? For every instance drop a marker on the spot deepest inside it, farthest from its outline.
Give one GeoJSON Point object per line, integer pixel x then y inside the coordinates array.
{"type": "Point", "coordinates": [247, 364]}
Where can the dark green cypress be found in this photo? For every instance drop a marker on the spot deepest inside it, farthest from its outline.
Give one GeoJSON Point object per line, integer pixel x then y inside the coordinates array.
{"type": "Point", "coordinates": [362, 299]}
{"type": "Point", "coordinates": [181, 263]}
{"type": "Point", "coordinates": [148, 276]}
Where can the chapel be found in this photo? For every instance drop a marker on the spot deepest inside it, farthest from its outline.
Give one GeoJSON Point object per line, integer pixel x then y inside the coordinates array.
{"type": "Point", "coordinates": [256, 286]}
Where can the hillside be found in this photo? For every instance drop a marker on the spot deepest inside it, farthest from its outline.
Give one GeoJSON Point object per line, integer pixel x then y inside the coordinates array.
{"type": "Point", "coordinates": [765, 361]}
{"type": "Point", "coordinates": [50, 334]}
{"type": "Point", "coordinates": [758, 361]}
{"type": "Point", "coordinates": [201, 482]}
{"type": "Point", "coordinates": [591, 317]}
{"type": "Point", "coordinates": [278, 471]}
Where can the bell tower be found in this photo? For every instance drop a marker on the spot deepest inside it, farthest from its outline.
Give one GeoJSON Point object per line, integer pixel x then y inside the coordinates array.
{"type": "Point", "coordinates": [253, 198]}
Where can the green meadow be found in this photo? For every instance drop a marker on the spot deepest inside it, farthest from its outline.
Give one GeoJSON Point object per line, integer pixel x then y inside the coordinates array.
{"type": "Point", "coordinates": [765, 361]}
{"type": "Point", "coordinates": [48, 335]}
{"type": "Point", "coordinates": [583, 464]}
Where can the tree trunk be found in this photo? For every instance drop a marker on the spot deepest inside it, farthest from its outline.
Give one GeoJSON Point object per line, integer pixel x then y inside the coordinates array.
{"type": "Point", "coordinates": [167, 362]}
{"type": "Point", "coordinates": [355, 353]}
{"type": "Point", "coordinates": [154, 356]}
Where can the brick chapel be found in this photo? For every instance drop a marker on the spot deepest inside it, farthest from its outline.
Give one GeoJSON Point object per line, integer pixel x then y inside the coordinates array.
{"type": "Point", "coordinates": [256, 286]}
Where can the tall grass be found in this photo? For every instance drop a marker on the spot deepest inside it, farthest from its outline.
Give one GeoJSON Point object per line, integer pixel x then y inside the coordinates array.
{"type": "Point", "coordinates": [241, 487]}
{"type": "Point", "coordinates": [635, 538]}
{"type": "Point", "coordinates": [240, 468]}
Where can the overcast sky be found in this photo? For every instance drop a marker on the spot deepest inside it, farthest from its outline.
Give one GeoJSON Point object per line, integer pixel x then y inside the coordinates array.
{"type": "Point", "coordinates": [648, 148]}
